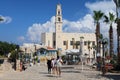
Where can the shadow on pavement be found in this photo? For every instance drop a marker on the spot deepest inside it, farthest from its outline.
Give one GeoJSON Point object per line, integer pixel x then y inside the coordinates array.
{"type": "Point", "coordinates": [113, 76]}
{"type": "Point", "coordinates": [1, 61]}
{"type": "Point", "coordinates": [86, 69]}
{"type": "Point", "coordinates": [43, 73]}
{"type": "Point", "coordinates": [71, 71]}
{"type": "Point", "coordinates": [97, 76]}
{"type": "Point", "coordinates": [49, 75]}
{"type": "Point", "coordinates": [67, 67]}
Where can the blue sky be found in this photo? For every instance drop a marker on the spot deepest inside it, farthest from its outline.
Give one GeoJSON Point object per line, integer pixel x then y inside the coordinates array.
{"type": "Point", "coordinates": [25, 20]}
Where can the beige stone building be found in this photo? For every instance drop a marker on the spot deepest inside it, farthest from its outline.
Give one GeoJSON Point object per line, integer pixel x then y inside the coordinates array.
{"type": "Point", "coordinates": [69, 41]}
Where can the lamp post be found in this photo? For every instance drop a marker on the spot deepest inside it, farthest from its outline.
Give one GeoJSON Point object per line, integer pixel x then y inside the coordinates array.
{"type": "Point", "coordinates": [89, 48]}
{"type": "Point", "coordinates": [25, 54]}
{"type": "Point", "coordinates": [117, 3]}
{"type": "Point", "coordinates": [81, 45]}
{"type": "Point", "coordinates": [94, 52]}
{"type": "Point", "coordinates": [15, 59]}
{"type": "Point", "coordinates": [81, 52]}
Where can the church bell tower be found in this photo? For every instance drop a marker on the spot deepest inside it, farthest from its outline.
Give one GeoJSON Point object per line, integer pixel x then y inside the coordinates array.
{"type": "Point", "coordinates": [58, 19]}
{"type": "Point", "coordinates": [58, 27]}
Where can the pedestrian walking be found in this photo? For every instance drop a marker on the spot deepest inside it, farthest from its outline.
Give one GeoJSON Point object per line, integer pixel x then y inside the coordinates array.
{"type": "Point", "coordinates": [53, 63]}
{"type": "Point", "coordinates": [59, 65]}
{"type": "Point", "coordinates": [49, 65]}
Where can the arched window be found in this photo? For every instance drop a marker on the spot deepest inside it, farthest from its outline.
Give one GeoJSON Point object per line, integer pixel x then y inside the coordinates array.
{"type": "Point", "coordinates": [58, 12]}
{"type": "Point", "coordinates": [59, 19]}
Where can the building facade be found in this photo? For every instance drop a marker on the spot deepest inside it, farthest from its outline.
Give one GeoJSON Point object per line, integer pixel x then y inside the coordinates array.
{"type": "Point", "coordinates": [69, 41]}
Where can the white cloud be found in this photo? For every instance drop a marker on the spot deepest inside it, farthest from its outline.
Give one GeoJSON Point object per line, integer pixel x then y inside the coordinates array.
{"type": "Point", "coordinates": [34, 31]}
{"type": "Point", "coordinates": [21, 38]}
{"type": "Point", "coordinates": [104, 6]}
{"type": "Point", "coordinates": [86, 24]}
{"type": "Point", "coordinates": [6, 19]}
{"type": "Point", "coordinates": [71, 26]}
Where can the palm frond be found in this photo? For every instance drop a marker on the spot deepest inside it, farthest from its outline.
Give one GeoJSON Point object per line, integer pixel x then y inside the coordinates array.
{"type": "Point", "coordinates": [112, 17]}
{"type": "Point", "coordinates": [109, 19]}
{"type": "Point", "coordinates": [100, 14]}
{"type": "Point", "coordinates": [97, 15]}
{"type": "Point", "coordinates": [101, 36]}
{"type": "Point", "coordinates": [106, 19]}
{"type": "Point", "coordinates": [1, 19]}
{"type": "Point", "coordinates": [116, 20]}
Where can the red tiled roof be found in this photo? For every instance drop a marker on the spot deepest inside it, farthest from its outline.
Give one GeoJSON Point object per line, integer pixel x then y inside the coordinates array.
{"type": "Point", "coordinates": [50, 48]}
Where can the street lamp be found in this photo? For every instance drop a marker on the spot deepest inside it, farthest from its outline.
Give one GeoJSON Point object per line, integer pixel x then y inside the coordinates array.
{"type": "Point", "coordinates": [81, 45]}
{"type": "Point", "coordinates": [15, 59]}
{"type": "Point", "coordinates": [81, 53]}
{"type": "Point", "coordinates": [25, 54]}
{"type": "Point", "coordinates": [117, 3]}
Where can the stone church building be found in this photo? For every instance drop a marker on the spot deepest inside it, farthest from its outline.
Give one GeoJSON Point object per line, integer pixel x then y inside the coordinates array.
{"type": "Point", "coordinates": [69, 41]}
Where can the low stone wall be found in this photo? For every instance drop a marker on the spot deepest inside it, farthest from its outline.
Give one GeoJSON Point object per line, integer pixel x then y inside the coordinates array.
{"type": "Point", "coordinates": [5, 66]}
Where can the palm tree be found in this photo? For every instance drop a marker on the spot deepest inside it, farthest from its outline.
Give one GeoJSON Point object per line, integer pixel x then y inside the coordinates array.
{"type": "Point", "coordinates": [97, 16]}
{"type": "Point", "coordinates": [117, 3]}
{"type": "Point", "coordinates": [110, 20]}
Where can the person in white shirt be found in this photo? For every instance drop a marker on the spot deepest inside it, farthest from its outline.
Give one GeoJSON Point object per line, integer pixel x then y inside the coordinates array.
{"type": "Point", "coordinates": [59, 65]}
{"type": "Point", "coordinates": [53, 63]}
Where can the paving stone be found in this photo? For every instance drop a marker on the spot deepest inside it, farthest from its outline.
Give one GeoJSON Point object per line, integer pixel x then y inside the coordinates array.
{"type": "Point", "coordinates": [69, 72]}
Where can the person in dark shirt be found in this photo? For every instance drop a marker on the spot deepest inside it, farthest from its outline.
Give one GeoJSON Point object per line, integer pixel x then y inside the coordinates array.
{"type": "Point", "coordinates": [49, 66]}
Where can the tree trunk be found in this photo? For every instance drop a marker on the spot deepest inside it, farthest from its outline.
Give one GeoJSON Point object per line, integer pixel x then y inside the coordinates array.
{"type": "Point", "coordinates": [111, 41]}
{"type": "Point", "coordinates": [97, 37]}
{"type": "Point", "coordinates": [118, 40]}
